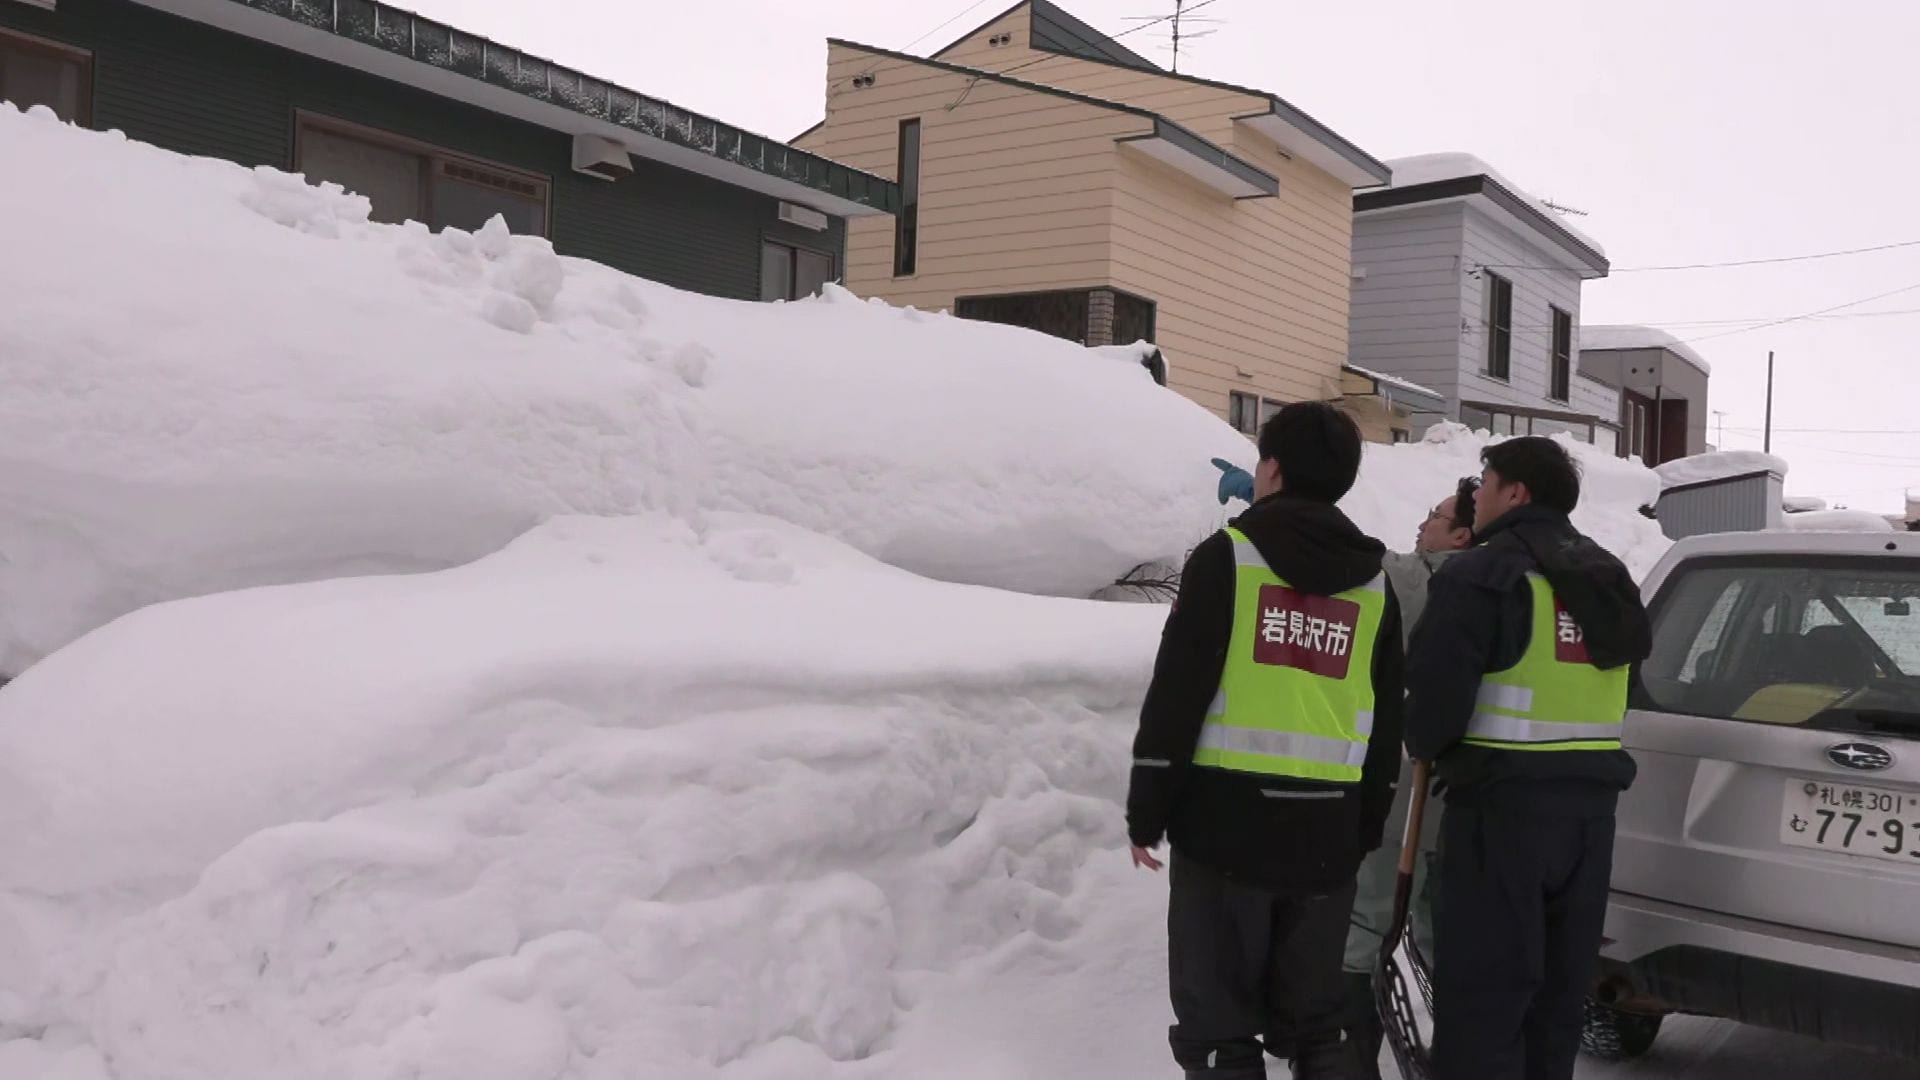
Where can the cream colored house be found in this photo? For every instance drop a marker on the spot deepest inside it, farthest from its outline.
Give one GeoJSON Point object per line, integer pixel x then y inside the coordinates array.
{"type": "Point", "coordinates": [1053, 179]}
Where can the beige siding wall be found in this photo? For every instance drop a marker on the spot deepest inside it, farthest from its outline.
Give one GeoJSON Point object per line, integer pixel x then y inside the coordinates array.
{"type": "Point", "coordinates": [1260, 286]}
{"type": "Point", "coordinates": [1016, 189]}
{"type": "Point", "coordinates": [1024, 191]}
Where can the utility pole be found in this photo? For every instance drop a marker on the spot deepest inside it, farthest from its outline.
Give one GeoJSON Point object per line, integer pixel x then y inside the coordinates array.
{"type": "Point", "coordinates": [1178, 10]}
{"type": "Point", "coordinates": [1720, 428]}
{"type": "Point", "coordinates": [1767, 443]}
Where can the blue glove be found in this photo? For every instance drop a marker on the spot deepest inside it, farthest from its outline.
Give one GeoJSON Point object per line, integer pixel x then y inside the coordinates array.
{"type": "Point", "coordinates": [1235, 482]}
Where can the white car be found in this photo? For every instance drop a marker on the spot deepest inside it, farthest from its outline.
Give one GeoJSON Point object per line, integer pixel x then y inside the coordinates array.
{"type": "Point", "coordinates": [1767, 864]}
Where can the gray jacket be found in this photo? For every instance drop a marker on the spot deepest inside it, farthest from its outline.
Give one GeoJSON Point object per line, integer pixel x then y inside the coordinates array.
{"type": "Point", "coordinates": [1373, 898]}
{"type": "Point", "coordinates": [1408, 574]}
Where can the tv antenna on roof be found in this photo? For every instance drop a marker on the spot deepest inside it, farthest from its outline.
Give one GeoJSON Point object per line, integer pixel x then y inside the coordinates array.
{"type": "Point", "coordinates": [1558, 209]}
{"type": "Point", "coordinates": [1182, 16]}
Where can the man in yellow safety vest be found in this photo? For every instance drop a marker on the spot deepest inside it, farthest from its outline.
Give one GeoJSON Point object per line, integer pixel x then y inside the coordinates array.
{"type": "Point", "coordinates": [1517, 686]}
{"type": "Point", "coordinates": [1268, 748]}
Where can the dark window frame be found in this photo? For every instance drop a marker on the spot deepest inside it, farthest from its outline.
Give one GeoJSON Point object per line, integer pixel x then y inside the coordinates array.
{"type": "Point", "coordinates": [33, 43]}
{"type": "Point", "coordinates": [906, 223]}
{"type": "Point", "coordinates": [1239, 405]}
{"type": "Point", "coordinates": [1560, 357]}
{"type": "Point", "coordinates": [440, 160]}
{"type": "Point", "coordinates": [1499, 323]}
{"type": "Point", "coordinates": [794, 251]}
{"type": "Point", "coordinates": [962, 304]}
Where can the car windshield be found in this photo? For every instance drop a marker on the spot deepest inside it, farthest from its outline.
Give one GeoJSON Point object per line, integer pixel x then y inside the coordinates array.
{"type": "Point", "coordinates": [1830, 643]}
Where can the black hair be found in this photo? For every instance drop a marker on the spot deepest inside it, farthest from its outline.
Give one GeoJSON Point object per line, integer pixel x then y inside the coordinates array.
{"type": "Point", "coordinates": [1318, 448]}
{"type": "Point", "coordinates": [1463, 502]}
{"type": "Point", "coordinates": [1551, 476]}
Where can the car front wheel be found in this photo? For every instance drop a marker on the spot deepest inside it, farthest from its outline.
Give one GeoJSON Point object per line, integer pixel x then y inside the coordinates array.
{"type": "Point", "coordinates": [1613, 1035]}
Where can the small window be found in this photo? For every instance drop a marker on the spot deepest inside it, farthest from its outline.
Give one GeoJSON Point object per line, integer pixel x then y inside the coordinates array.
{"type": "Point", "coordinates": [791, 273]}
{"type": "Point", "coordinates": [1243, 412]}
{"type": "Point", "coordinates": [1401, 435]}
{"type": "Point", "coordinates": [906, 225]}
{"type": "Point", "coordinates": [1476, 419]}
{"type": "Point", "coordinates": [1268, 407]}
{"type": "Point", "coordinates": [34, 71]}
{"type": "Point", "coordinates": [1560, 385]}
{"type": "Point", "coordinates": [1499, 317]}
{"type": "Point", "coordinates": [411, 181]}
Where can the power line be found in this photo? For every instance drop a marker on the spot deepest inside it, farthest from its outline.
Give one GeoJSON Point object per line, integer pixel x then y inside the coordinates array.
{"type": "Point", "coordinates": [1723, 265]}
{"type": "Point", "coordinates": [971, 8]}
{"type": "Point", "coordinates": [1808, 315]}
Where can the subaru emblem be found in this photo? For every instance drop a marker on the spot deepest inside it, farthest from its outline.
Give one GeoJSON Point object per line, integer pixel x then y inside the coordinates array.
{"type": "Point", "coordinates": [1860, 755]}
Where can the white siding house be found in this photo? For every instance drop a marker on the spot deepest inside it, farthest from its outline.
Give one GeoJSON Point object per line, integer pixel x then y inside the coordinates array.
{"type": "Point", "coordinates": [1465, 284]}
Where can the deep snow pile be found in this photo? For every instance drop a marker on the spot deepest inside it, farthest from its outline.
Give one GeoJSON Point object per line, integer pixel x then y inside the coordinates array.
{"type": "Point", "coordinates": [625, 800]}
{"type": "Point", "coordinates": [1400, 483]}
{"type": "Point", "coordinates": [212, 378]}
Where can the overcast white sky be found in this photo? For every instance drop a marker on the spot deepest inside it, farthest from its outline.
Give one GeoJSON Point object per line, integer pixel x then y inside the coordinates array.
{"type": "Point", "coordinates": [1689, 130]}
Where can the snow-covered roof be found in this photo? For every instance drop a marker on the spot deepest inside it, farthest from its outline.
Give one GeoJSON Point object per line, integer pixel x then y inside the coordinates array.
{"type": "Point", "coordinates": [1397, 383]}
{"type": "Point", "coordinates": [1602, 338]}
{"type": "Point", "coordinates": [1725, 465]}
{"type": "Point", "coordinates": [1802, 504]}
{"type": "Point", "coordinates": [1434, 168]}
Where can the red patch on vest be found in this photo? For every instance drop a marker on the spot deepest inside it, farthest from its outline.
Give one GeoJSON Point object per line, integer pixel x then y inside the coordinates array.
{"type": "Point", "coordinates": [1569, 641]}
{"type": "Point", "coordinates": [1300, 630]}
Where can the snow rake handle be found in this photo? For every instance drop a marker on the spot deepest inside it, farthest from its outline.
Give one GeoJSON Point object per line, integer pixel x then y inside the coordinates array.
{"type": "Point", "coordinates": [1393, 996]}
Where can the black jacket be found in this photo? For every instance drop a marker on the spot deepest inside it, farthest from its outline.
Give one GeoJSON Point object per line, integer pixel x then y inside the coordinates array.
{"type": "Point", "coordinates": [1478, 620]}
{"type": "Point", "coordinates": [1229, 821]}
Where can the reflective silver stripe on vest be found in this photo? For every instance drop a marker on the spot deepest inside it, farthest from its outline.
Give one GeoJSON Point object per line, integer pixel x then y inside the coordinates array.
{"type": "Point", "coordinates": [1282, 744]}
{"type": "Point", "coordinates": [1515, 729]}
{"type": "Point", "coordinates": [1362, 720]}
{"type": "Point", "coordinates": [1516, 698]}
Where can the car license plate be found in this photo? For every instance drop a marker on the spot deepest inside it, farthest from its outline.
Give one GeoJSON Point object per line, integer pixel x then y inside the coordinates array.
{"type": "Point", "coordinates": [1870, 822]}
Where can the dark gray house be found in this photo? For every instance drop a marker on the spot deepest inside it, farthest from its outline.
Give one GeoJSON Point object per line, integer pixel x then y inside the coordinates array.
{"type": "Point", "coordinates": [440, 126]}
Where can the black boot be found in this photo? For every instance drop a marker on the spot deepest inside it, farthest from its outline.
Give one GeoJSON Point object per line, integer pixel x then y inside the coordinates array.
{"type": "Point", "coordinates": [1329, 1058]}
{"type": "Point", "coordinates": [1363, 1026]}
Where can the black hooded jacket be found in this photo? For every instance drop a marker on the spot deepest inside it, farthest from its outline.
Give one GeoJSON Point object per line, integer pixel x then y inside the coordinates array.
{"type": "Point", "coordinates": [1479, 619]}
{"type": "Point", "coordinates": [1295, 836]}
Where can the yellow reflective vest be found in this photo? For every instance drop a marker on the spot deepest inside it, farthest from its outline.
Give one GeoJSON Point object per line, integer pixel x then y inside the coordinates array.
{"type": "Point", "coordinates": [1296, 694]}
{"type": "Point", "coordinates": [1554, 698]}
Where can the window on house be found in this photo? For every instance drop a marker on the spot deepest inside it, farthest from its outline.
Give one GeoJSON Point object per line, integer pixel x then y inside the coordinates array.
{"type": "Point", "coordinates": [1560, 385]}
{"type": "Point", "coordinates": [1499, 317]}
{"type": "Point", "coordinates": [1063, 314]}
{"type": "Point", "coordinates": [34, 71]}
{"type": "Point", "coordinates": [1133, 318]}
{"type": "Point", "coordinates": [411, 181]}
{"type": "Point", "coordinates": [1243, 412]}
{"type": "Point", "coordinates": [791, 273]}
{"type": "Point", "coordinates": [1268, 407]}
{"type": "Point", "coordinates": [906, 226]}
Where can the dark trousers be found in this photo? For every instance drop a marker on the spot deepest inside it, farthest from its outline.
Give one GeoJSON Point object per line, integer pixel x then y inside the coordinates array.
{"type": "Point", "coordinates": [1523, 900]}
{"type": "Point", "coordinates": [1250, 966]}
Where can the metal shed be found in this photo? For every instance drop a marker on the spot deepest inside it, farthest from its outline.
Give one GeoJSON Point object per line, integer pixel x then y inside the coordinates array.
{"type": "Point", "coordinates": [1744, 502]}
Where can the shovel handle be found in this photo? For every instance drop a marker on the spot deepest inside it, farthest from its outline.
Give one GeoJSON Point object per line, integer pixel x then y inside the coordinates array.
{"type": "Point", "coordinates": [1416, 811]}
